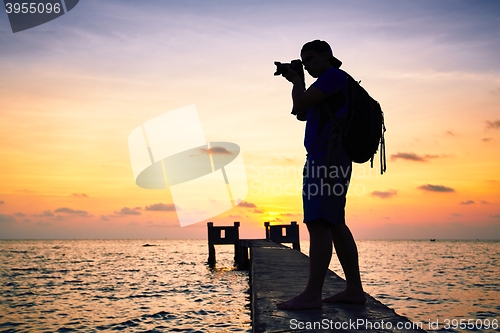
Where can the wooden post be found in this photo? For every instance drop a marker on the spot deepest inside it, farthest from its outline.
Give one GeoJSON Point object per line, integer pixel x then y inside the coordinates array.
{"type": "Point", "coordinates": [211, 247]}
{"type": "Point", "coordinates": [284, 233]}
{"type": "Point", "coordinates": [231, 236]}
{"type": "Point", "coordinates": [294, 229]}
{"type": "Point", "coordinates": [235, 239]}
{"type": "Point", "coordinates": [243, 260]}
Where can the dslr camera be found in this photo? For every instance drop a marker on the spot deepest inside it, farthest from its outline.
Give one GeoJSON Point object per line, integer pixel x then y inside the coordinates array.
{"type": "Point", "coordinates": [296, 65]}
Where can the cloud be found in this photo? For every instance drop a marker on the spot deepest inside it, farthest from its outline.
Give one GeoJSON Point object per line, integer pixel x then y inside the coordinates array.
{"type": "Point", "coordinates": [247, 204]}
{"type": "Point", "coordinates": [289, 214]}
{"type": "Point", "coordinates": [104, 218]}
{"type": "Point", "coordinates": [450, 133]}
{"type": "Point", "coordinates": [493, 124]}
{"type": "Point", "coordinates": [435, 188]}
{"type": "Point", "coordinates": [484, 202]}
{"type": "Point", "coordinates": [71, 211]}
{"type": "Point", "coordinates": [79, 195]}
{"type": "Point", "coordinates": [19, 214]}
{"type": "Point", "coordinates": [384, 194]}
{"type": "Point", "coordinates": [7, 218]}
{"type": "Point", "coordinates": [46, 213]}
{"type": "Point", "coordinates": [257, 211]}
{"type": "Point", "coordinates": [468, 202]}
{"type": "Point", "coordinates": [2, 202]}
{"type": "Point", "coordinates": [129, 211]}
{"type": "Point", "coordinates": [412, 157]}
{"type": "Point", "coordinates": [161, 207]}
{"type": "Point", "coordinates": [43, 223]}
{"type": "Point", "coordinates": [216, 151]}
{"type": "Point", "coordinates": [497, 216]}
{"type": "Point", "coordinates": [407, 156]}
{"type": "Point", "coordinates": [487, 139]}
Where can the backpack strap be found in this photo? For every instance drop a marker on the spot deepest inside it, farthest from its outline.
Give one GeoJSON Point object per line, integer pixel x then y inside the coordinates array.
{"type": "Point", "coordinates": [383, 163]}
{"type": "Point", "coordinates": [334, 104]}
{"type": "Point", "coordinates": [331, 106]}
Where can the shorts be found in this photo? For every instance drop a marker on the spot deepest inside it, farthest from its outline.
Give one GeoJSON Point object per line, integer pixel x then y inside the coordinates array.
{"type": "Point", "coordinates": [324, 188]}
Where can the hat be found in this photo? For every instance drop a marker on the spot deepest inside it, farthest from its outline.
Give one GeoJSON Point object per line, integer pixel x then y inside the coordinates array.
{"type": "Point", "coordinates": [321, 46]}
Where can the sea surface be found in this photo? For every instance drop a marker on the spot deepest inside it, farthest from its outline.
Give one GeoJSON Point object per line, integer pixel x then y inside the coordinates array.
{"type": "Point", "coordinates": [166, 285]}
{"type": "Point", "coordinates": [120, 285]}
{"type": "Point", "coordinates": [455, 283]}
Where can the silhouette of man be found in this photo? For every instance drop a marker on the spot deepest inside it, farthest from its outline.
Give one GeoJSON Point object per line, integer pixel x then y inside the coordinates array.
{"type": "Point", "coordinates": [326, 176]}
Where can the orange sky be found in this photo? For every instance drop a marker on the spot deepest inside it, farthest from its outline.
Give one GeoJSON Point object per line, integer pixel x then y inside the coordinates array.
{"type": "Point", "coordinates": [72, 90]}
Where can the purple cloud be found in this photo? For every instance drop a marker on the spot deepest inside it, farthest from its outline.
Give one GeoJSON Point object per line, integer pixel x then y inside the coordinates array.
{"type": "Point", "coordinates": [493, 124]}
{"type": "Point", "coordinates": [79, 195]}
{"type": "Point", "coordinates": [161, 207]}
{"type": "Point", "coordinates": [46, 213]}
{"type": "Point", "coordinates": [71, 211]}
{"type": "Point", "coordinates": [216, 151]}
{"type": "Point", "coordinates": [412, 157]}
{"type": "Point", "coordinates": [247, 204]}
{"type": "Point", "coordinates": [435, 188]}
{"type": "Point", "coordinates": [129, 211]}
{"type": "Point", "coordinates": [384, 194]}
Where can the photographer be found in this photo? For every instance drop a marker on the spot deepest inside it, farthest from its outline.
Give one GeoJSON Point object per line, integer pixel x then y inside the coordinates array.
{"type": "Point", "coordinates": [324, 207]}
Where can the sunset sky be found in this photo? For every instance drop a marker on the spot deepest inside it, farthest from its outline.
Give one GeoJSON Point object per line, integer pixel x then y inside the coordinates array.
{"type": "Point", "coordinates": [72, 90]}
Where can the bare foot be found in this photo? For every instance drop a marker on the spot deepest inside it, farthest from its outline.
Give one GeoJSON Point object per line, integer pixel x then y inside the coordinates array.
{"type": "Point", "coordinates": [301, 302]}
{"type": "Point", "coordinates": [347, 296]}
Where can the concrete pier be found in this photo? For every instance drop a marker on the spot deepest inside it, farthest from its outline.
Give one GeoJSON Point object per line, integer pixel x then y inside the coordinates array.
{"type": "Point", "coordinates": [278, 273]}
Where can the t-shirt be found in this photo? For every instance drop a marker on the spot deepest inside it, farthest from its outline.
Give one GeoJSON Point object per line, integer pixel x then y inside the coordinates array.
{"type": "Point", "coordinates": [318, 125]}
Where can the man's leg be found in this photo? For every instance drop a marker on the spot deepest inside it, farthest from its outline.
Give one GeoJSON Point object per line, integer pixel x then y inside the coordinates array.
{"type": "Point", "coordinates": [320, 253]}
{"type": "Point", "coordinates": [347, 253]}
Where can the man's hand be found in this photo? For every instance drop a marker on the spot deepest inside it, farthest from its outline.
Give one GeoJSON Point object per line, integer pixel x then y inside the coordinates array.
{"type": "Point", "coordinates": [291, 75]}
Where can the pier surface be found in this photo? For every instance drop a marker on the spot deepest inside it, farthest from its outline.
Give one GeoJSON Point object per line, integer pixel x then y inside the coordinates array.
{"type": "Point", "coordinates": [278, 273]}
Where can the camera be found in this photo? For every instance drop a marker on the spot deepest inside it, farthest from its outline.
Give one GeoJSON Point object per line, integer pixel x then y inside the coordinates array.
{"type": "Point", "coordinates": [296, 65]}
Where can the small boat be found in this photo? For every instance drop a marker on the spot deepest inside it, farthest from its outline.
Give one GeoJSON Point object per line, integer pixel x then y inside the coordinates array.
{"type": "Point", "coordinates": [433, 239]}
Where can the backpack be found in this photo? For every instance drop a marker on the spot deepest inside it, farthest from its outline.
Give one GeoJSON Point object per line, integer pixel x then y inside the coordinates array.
{"type": "Point", "coordinates": [365, 128]}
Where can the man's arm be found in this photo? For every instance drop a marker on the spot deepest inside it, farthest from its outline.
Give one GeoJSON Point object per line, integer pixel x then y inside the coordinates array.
{"type": "Point", "coordinates": [303, 99]}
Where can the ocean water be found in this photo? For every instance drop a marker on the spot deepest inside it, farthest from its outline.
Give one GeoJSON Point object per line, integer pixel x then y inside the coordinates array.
{"type": "Point", "coordinates": [122, 285]}
{"type": "Point", "coordinates": [454, 283]}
